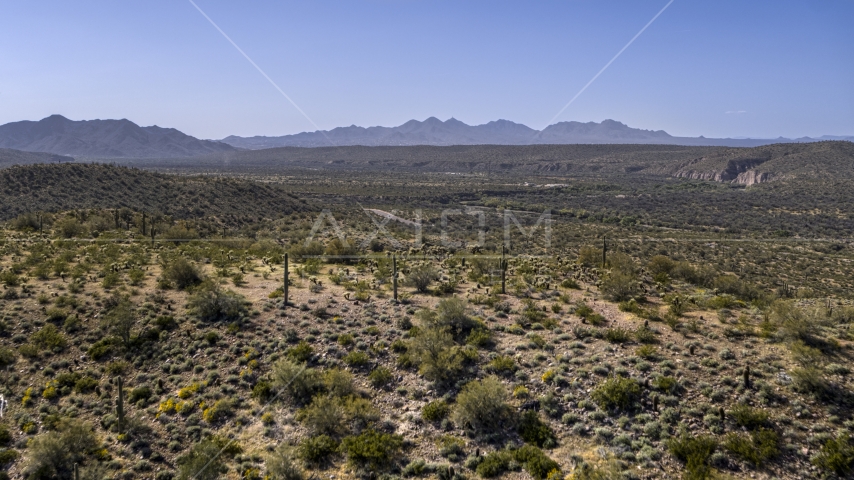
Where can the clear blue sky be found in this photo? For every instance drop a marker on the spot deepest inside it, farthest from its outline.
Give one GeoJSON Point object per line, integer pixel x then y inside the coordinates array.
{"type": "Point", "coordinates": [778, 67]}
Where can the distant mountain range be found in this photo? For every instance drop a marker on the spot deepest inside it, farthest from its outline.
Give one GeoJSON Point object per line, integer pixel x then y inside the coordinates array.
{"type": "Point", "coordinates": [500, 132]}
{"type": "Point", "coordinates": [116, 139]}
{"type": "Point", "coordinates": [103, 139]}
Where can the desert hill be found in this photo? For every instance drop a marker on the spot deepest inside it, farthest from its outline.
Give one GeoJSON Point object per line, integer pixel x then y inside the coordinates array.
{"type": "Point", "coordinates": [725, 164]}
{"type": "Point", "coordinates": [56, 187]}
{"type": "Point", "coordinates": [9, 157]}
{"type": "Point", "coordinates": [103, 138]}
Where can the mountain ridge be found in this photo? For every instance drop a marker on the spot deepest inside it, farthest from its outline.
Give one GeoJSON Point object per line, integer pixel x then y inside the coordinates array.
{"type": "Point", "coordinates": [103, 139]}
{"type": "Point", "coordinates": [435, 132]}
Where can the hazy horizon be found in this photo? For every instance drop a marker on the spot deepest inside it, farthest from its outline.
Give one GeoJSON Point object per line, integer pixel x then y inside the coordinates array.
{"type": "Point", "coordinates": [761, 70]}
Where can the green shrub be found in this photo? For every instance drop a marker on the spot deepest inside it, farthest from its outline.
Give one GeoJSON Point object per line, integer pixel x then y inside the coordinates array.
{"type": "Point", "coordinates": [356, 359]}
{"type": "Point", "coordinates": [110, 280]}
{"type": "Point", "coordinates": [53, 454]}
{"type": "Point", "coordinates": [380, 377]}
{"type": "Point", "coordinates": [644, 335]}
{"type": "Point", "coordinates": [281, 465]}
{"type": "Point", "coordinates": [262, 390]}
{"type": "Point", "coordinates": [206, 460]}
{"type": "Point", "coordinates": [617, 335]}
{"type": "Point", "coordinates": [660, 264]}
{"type": "Point", "coordinates": [338, 382]}
{"type": "Point", "coordinates": [371, 449]}
{"type": "Point", "coordinates": [666, 384]}
{"type": "Point", "coordinates": [120, 321]}
{"type": "Point", "coordinates": [317, 450]}
{"type": "Point", "coordinates": [589, 315]}
{"type": "Point", "coordinates": [532, 459]}
{"type": "Point", "coordinates": [336, 416]}
{"type": "Point", "coordinates": [451, 447]}
{"type": "Point", "coordinates": [29, 350]}
{"type": "Point", "coordinates": [345, 339]}
{"type": "Point", "coordinates": [435, 411]}
{"type": "Point", "coordinates": [166, 322]}
{"type": "Point", "coordinates": [55, 315]}
{"type": "Point", "coordinates": [297, 382]}
{"type": "Point", "coordinates": [480, 337]}
{"type": "Point", "coordinates": [7, 357]}
{"type": "Point", "coordinates": [5, 435]}
{"type": "Point", "coordinates": [9, 279]}
{"type": "Point", "coordinates": [617, 392]}
{"type": "Point", "coordinates": [139, 393]}
{"type": "Point", "coordinates": [536, 463]}
{"type": "Point", "coordinates": [210, 303]}
{"type": "Point", "coordinates": [502, 365]}
{"type": "Point", "coordinates": [49, 338]}
{"type": "Point", "coordinates": [101, 349]}
{"type": "Point", "coordinates": [219, 411]}
{"type": "Point", "coordinates": [535, 431]}
{"type": "Point", "coordinates": [85, 385]}
{"type": "Point", "coordinates": [757, 447]}
{"type": "Point", "coordinates": [811, 381]}
{"type": "Point", "coordinates": [792, 322]}
{"type": "Point", "coordinates": [647, 352]}
{"type": "Point", "coordinates": [837, 456]}
{"type": "Point", "coordinates": [325, 416]}
{"type": "Point", "coordinates": [301, 352]}
{"type": "Point", "coordinates": [495, 463]}
{"type": "Point", "coordinates": [7, 456]}
{"type": "Point", "coordinates": [620, 286]}
{"type": "Point", "coordinates": [436, 354]}
{"type": "Point", "coordinates": [482, 406]}
{"type": "Point", "coordinates": [695, 451]}
{"type": "Point", "coordinates": [749, 417]}
{"type": "Point", "coordinates": [421, 278]}
{"type": "Point", "coordinates": [181, 273]}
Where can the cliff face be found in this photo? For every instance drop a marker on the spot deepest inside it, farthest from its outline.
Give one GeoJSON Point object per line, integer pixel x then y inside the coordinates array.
{"type": "Point", "coordinates": [740, 171]}
{"type": "Point", "coordinates": [752, 177]}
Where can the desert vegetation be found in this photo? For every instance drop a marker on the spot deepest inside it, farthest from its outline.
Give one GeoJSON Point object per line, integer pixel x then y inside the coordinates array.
{"type": "Point", "coordinates": [655, 353]}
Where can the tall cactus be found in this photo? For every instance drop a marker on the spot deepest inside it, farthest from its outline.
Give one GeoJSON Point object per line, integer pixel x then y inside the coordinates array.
{"type": "Point", "coordinates": [394, 274]}
{"type": "Point", "coordinates": [503, 272]}
{"type": "Point", "coordinates": [120, 406]}
{"type": "Point", "coordinates": [285, 289]}
{"type": "Point", "coordinates": [604, 252]}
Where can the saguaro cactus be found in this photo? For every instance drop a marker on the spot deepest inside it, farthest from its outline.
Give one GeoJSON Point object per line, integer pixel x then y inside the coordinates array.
{"type": "Point", "coordinates": [120, 406]}
{"type": "Point", "coordinates": [394, 275]}
{"type": "Point", "coordinates": [604, 252]}
{"type": "Point", "coordinates": [285, 288]}
{"type": "Point", "coordinates": [503, 272]}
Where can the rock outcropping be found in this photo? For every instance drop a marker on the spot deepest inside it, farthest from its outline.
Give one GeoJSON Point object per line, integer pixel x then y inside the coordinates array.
{"type": "Point", "coordinates": [740, 171]}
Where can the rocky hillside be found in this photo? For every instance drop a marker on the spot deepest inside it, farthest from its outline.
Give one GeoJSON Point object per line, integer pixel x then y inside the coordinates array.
{"type": "Point", "coordinates": [9, 157]}
{"type": "Point", "coordinates": [103, 138]}
{"type": "Point", "coordinates": [770, 162]}
{"type": "Point", "coordinates": [746, 166]}
{"type": "Point", "coordinates": [54, 187]}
